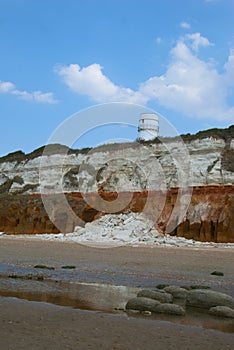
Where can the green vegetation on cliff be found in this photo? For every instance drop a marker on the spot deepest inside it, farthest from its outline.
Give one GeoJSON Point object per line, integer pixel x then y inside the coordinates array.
{"type": "Point", "coordinates": [226, 134]}
{"type": "Point", "coordinates": [20, 156]}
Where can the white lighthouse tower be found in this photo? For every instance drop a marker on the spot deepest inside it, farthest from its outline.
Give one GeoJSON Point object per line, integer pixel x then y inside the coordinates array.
{"type": "Point", "coordinates": [148, 126]}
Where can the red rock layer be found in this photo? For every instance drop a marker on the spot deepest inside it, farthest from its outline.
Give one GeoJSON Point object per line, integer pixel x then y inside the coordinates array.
{"type": "Point", "coordinates": [209, 217]}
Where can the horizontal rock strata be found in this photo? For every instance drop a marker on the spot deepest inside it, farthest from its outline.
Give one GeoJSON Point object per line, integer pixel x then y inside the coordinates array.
{"type": "Point", "coordinates": [132, 167]}
{"type": "Point", "coordinates": [159, 177]}
{"type": "Point", "coordinates": [209, 216]}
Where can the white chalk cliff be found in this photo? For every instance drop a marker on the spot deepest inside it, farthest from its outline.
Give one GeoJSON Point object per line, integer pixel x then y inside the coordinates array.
{"type": "Point", "coordinates": [133, 167]}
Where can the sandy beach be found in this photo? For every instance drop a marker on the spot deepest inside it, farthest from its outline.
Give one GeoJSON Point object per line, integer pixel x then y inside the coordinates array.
{"type": "Point", "coordinates": [36, 325]}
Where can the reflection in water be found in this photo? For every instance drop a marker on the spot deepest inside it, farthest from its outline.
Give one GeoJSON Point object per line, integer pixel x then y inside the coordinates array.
{"type": "Point", "coordinates": [88, 296]}
{"type": "Point", "coordinates": [194, 317]}
{"type": "Point", "coordinates": [101, 297]}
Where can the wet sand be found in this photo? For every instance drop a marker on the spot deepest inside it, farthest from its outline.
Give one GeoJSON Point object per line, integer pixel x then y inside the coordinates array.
{"type": "Point", "coordinates": [34, 325]}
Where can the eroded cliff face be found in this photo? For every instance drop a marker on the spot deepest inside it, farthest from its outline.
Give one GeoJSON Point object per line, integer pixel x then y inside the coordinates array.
{"type": "Point", "coordinates": [205, 166]}
{"type": "Point", "coordinates": [131, 167]}
{"type": "Point", "coordinates": [210, 215]}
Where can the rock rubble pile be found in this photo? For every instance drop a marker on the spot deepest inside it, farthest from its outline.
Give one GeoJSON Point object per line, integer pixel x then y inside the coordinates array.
{"type": "Point", "coordinates": [123, 228]}
{"type": "Point", "coordinates": [119, 229]}
{"type": "Point", "coordinates": [132, 228]}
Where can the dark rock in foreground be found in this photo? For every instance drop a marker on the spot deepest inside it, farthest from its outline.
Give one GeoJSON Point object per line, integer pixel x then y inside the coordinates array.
{"type": "Point", "coordinates": [217, 273]}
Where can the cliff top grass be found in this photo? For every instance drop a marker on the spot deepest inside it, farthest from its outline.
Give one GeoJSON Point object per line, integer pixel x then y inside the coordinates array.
{"type": "Point", "coordinates": [18, 156]}
{"type": "Point", "coordinates": [224, 134]}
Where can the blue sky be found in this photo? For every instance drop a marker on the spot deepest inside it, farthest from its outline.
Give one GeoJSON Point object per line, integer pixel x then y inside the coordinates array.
{"type": "Point", "coordinates": [58, 57]}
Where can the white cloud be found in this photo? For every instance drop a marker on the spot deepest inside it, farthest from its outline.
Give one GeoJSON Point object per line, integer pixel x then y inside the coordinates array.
{"type": "Point", "coordinates": [92, 82]}
{"type": "Point", "coordinates": [229, 70]}
{"type": "Point", "coordinates": [189, 85]}
{"type": "Point", "coordinates": [158, 40]}
{"type": "Point", "coordinates": [36, 96]}
{"type": "Point", "coordinates": [196, 40]}
{"type": "Point", "coordinates": [6, 86]}
{"type": "Point", "coordinates": [185, 25]}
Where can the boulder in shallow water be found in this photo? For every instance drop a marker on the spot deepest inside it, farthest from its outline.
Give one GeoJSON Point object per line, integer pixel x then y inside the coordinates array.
{"type": "Point", "coordinates": [208, 298]}
{"type": "Point", "coordinates": [161, 296]}
{"type": "Point", "coordinates": [177, 292]}
{"type": "Point", "coordinates": [142, 304]}
{"type": "Point", "coordinates": [170, 309]}
{"type": "Point", "coordinates": [222, 311]}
